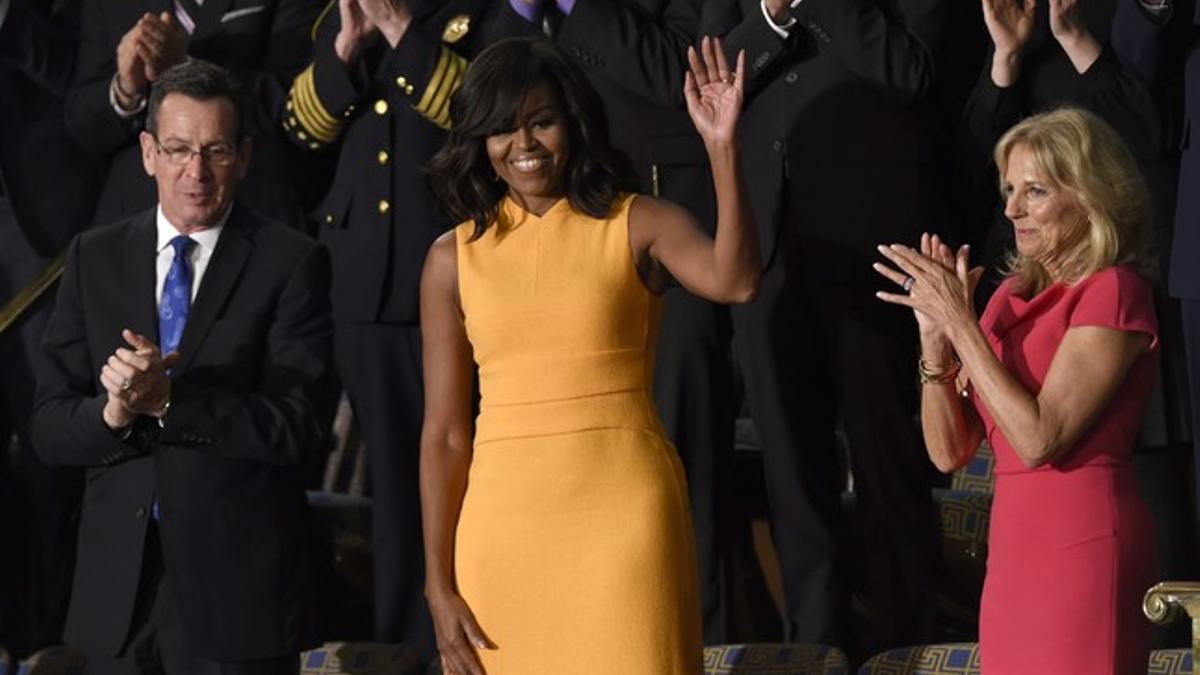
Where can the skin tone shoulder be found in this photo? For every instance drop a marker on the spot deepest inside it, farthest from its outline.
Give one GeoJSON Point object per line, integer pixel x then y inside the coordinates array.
{"type": "Point", "coordinates": [1087, 370]}
{"type": "Point", "coordinates": [531, 159]}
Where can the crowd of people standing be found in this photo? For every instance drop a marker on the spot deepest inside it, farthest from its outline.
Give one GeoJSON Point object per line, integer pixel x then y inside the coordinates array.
{"type": "Point", "coordinates": [862, 122]}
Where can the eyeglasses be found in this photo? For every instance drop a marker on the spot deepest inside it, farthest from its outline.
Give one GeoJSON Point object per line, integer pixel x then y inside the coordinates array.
{"type": "Point", "coordinates": [215, 155]}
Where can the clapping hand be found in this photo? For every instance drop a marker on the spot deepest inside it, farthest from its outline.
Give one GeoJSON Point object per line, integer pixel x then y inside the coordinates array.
{"type": "Point", "coordinates": [714, 93]}
{"type": "Point", "coordinates": [136, 381]}
{"type": "Point", "coordinates": [939, 284]}
{"type": "Point", "coordinates": [355, 29]}
{"type": "Point", "coordinates": [1010, 23]}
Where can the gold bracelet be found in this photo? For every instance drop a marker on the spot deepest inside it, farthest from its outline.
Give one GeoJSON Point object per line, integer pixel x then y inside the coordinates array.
{"type": "Point", "coordinates": [931, 376]}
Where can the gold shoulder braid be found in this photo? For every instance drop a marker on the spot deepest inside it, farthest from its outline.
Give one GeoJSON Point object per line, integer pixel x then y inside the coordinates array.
{"type": "Point", "coordinates": [456, 29]}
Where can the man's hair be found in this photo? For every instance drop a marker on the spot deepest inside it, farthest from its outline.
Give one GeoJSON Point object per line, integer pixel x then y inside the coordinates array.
{"type": "Point", "coordinates": [199, 80]}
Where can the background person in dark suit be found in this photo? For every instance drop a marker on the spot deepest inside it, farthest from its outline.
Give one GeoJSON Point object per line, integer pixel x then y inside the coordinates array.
{"type": "Point", "coordinates": [1156, 42]}
{"type": "Point", "coordinates": [193, 546]}
{"type": "Point", "coordinates": [832, 139]}
{"type": "Point", "coordinates": [124, 45]}
{"type": "Point", "coordinates": [379, 84]}
{"type": "Point", "coordinates": [47, 192]}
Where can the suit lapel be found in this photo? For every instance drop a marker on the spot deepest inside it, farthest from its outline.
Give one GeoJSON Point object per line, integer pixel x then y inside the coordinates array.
{"type": "Point", "coordinates": [140, 277]}
{"type": "Point", "coordinates": [233, 250]}
{"type": "Point", "coordinates": [208, 17]}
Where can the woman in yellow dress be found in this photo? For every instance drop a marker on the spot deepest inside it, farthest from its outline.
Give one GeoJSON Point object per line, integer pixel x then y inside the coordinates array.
{"type": "Point", "coordinates": [557, 537]}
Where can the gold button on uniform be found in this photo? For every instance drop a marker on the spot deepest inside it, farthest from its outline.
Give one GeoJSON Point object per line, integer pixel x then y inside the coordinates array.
{"type": "Point", "coordinates": [384, 206]}
{"type": "Point", "coordinates": [408, 89]}
{"type": "Point", "coordinates": [401, 82]}
{"type": "Point", "coordinates": [328, 217]}
{"type": "Point", "coordinates": [382, 157]}
{"type": "Point", "coordinates": [381, 107]}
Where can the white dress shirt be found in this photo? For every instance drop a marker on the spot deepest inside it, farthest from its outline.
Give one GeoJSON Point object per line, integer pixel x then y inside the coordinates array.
{"type": "Point", "coordinates": [201, 253]}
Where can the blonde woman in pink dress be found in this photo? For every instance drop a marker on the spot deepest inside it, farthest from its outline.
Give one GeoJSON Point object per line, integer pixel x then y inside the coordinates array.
{"type": "Point", "coordinates": [1056, 373]}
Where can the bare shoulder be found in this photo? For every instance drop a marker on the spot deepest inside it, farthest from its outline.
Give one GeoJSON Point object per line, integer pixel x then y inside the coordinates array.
{"type": "Point", "coordinates": [650, 210]}
{"type": "Point", "coordinates": [649, 217]}
{"type": "Point", "coordinates": [441, 264]}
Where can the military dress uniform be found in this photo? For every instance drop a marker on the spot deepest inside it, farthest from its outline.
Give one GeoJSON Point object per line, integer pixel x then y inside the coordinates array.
{"type": "Point", "coordinates": [389, 110]}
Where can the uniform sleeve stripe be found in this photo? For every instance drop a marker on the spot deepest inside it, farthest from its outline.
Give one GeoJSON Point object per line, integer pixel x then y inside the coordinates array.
{"type": "Point", "coordinates": [442, 115]}
{"type": "Point", "coordinates": [308, 120]}
{"type": "Point", "coordinates": [439, 106]}
{"type": "Point", "coordinates": [312, 115]}
{"type": "Point", "coordinates": [435, 82]}
{"type": "Point", "coordinates": [308, 90]}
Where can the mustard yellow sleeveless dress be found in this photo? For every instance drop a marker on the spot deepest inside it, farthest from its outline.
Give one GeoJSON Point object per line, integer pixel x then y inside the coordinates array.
{"type": "Point", "coordinates": [574, 546]}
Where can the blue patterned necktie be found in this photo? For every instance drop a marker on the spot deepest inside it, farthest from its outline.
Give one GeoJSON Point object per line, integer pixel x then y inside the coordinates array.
{"type": "Point", "coordinates": [174, 305]}
{"type": "Point", "coordinates": [176, 296]}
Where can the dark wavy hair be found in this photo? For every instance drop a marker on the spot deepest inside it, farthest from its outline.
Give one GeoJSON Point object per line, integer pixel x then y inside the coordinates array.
{"type": "Point", "coordinates": [492, 92]}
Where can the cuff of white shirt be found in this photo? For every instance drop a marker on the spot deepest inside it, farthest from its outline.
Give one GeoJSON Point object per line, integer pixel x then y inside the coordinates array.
{"type": "Point", "coordinates": [1155, 7]}
{"type": "Point", "coordinates": [116, 106]}
{"type": "Point", "coordinates": [782, 31]}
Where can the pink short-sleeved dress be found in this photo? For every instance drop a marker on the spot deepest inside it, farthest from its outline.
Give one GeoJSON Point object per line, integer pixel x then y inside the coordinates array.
{"type": "Point", "coordinates": [1071, 546]}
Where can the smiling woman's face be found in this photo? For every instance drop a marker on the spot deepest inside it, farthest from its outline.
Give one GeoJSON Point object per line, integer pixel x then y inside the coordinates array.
{"type": "Point", "coordinates": [532, 157]}
{"type": "Point", "coordinates": [1046, 219]}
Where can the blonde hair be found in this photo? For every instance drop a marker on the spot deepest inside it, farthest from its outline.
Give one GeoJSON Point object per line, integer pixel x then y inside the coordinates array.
{"type": "Point", "coordinates": [1077, 152]}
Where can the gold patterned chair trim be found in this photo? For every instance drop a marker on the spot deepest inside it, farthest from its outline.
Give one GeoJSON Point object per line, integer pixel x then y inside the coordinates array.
{"type": "Point", "coordinates": [1170, 662]}
{"type": "Point", "coordinates": [1166, 601]}
{"type": "Point", "coordinates": [979, 474]}
{"type": "Point", "coordinates": [360, 658]}
{"type": "Point", "coordinates": [774, 659]}
{"type": "Point", "coordinates": [951, 658]}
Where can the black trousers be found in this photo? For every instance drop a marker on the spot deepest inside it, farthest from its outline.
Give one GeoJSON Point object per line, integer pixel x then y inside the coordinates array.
{"type": "Point", "coordinates": [380, 366]}
{"type": "Point", "coordinates": [38, 504]}
{"type": "Point", "coordinates": [693, 390]}
{"type": "Point", "coordinates": [157, 642]}
{"type": "Point", "coordinates": [1190, 314]}
{"type": "Point", "coordinates": [813, 353]}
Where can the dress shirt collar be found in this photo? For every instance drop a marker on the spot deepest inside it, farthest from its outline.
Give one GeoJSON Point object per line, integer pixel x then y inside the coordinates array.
{"type": "Point", "coordinates": [206, 239]}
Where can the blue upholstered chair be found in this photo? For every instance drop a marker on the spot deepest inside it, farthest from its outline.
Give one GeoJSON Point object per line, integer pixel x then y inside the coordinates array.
{"type": "Point", "coordinates": [1170, 662]}
{"type": "Point", "coordinates": [774, 659]}
{"type": "Point", "coordinates": [951, 658]}
{"type": "Point", "coordinates": [60, 660]}
{"type": "Point", "coordinates": [360, 658]}
{"type": "Point", "coordinates": [979, 475]}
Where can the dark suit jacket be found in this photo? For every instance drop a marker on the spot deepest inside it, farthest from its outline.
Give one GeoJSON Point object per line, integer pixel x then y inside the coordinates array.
{"type": "Point", "coordinates": [832, 131]}
{"type": "Point", "coordinates": [1155, 49]}
{"type": "Point", "coordinates": [379, 217]}
{"type": "Point", "coordinates": [249, 403]}
{"type": "Point", "coordinates": [50, 184]}
{"type": "Point", "coordinates": [264, 43]}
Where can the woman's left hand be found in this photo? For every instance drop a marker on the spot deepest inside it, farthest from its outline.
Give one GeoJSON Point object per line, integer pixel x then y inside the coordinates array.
{"type": "Point", "coordinates": [713, 92]}
{"type": "Point", "coordinates": [941, 295]}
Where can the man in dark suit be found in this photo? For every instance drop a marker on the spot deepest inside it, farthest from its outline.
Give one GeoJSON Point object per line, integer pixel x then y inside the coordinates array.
{"type": "Point", "coordinates": [633, 53]}
{"type": "Point", "coordinates": [379, 83]}
{"type": "Point", "coordinates": [47, 192]}
{"type": "Point", "coordinates": [833, 147]}
{"type": "Point", "coordinates": [1157, 42]}
{"type": "Point", "coordinates": [194, 424]}
{"type": "Point", "coordinates": [124, 45]}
